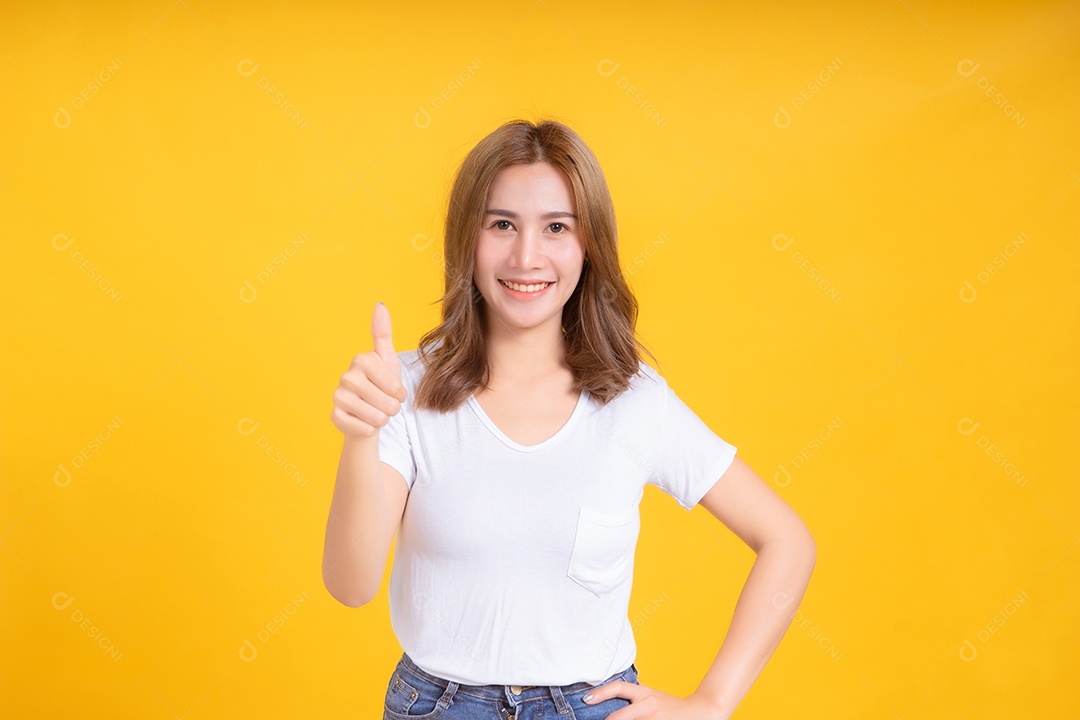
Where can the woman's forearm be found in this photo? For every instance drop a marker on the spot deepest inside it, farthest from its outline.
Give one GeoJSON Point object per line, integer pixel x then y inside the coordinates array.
{"type": "Point", "coordinates": [772, 593]}
{"type": "Point", "coordinates": [357, 532]}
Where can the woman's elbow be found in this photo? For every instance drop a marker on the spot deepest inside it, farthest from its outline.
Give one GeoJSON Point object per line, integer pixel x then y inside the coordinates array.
{"type": "Point", "coordinates": [794, 542]}
{"type": "Point", "coordinates": [349, 598]}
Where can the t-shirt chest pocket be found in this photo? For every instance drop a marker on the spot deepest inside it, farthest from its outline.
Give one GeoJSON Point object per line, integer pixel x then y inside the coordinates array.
{"type": "Point", "coordinates": [603, 554]}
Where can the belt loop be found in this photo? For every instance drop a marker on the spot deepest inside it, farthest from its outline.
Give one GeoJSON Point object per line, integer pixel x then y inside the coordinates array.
{"type": "Point", "coordinates": [448, 695]}
{"type": "Point", "coordinates": [561, 705]}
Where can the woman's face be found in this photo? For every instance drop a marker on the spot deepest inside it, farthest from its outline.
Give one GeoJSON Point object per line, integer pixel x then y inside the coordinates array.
{"type": "Point", "coordinates": [529, 235]}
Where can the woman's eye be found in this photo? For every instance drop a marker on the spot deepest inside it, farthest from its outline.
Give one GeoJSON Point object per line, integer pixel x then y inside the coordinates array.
{"type": "Point", "coordinates": [558, 227]}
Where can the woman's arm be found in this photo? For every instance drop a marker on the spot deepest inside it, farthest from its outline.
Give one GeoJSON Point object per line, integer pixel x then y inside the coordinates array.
{"type": "Point", "coordinates": [786, 554]}
{"type": "Point", "coordinates": [774, 588]}
{"type": "Point", "coordinates": [369, 495]}
{"type": "Point", "coordinates": [365, 513]}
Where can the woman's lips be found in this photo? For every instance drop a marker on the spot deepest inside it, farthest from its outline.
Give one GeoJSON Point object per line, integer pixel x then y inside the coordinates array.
{"type": "Point", "coordinates": [525, 295]}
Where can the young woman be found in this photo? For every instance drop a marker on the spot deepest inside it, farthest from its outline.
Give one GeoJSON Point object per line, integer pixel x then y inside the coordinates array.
{"type": "Point", "coordinates": [522, 431]}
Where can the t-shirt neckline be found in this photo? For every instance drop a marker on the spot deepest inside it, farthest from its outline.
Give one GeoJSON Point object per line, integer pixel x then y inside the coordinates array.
{"type": "Point", "coordinates": [583, 398]}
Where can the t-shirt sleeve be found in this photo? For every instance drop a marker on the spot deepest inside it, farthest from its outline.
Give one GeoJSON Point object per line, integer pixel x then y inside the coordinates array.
{"type": "Point", "coordinates": [395, 445]}
{"type": "Point", "coordinates": [691, 457]}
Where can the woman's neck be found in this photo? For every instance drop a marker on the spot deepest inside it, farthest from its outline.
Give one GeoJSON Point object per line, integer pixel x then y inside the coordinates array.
{"type": "Point", "coordinates": [520, 355]}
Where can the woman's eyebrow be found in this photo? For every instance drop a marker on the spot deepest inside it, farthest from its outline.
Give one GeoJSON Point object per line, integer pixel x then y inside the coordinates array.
{"type": "Point", "coordinates": [545, 216]}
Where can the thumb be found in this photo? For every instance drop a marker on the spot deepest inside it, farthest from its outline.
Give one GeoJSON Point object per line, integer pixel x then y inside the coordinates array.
{"type": "Point", "coordinates": [383, 343]}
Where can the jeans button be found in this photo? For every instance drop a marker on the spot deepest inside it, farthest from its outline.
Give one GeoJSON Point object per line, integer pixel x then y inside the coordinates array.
{"type": "Point", "coordinates": [516, 689]}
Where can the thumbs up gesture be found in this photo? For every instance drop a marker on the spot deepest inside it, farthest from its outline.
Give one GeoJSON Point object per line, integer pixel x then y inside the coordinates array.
{"type": "Point", "coordinates": [371, 390]}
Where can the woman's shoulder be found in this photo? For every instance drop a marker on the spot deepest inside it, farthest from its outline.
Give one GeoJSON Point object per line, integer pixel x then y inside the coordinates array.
{"type": "Point", "coordinates": [412, 366]}
{"type": "Point", "coordinates": [644, 384]}
{"type": "Point", "coordinates": [647, 376]}
{"type": "Point", "coordinates": [409, 357]}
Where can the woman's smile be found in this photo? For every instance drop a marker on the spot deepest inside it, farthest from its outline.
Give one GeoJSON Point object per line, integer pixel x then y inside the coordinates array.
{"type": "Point", "coordinates": [526, 291]}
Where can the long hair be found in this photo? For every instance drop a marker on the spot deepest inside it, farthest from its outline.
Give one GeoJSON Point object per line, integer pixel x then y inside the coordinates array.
{"type": "Point", "coordinates": [598, 318]}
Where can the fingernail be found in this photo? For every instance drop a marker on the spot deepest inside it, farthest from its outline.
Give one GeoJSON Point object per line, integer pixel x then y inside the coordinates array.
{"type": "Point", "coordinates": [380, 303]}
{"type": "Point", "coordinates": [588, 697]}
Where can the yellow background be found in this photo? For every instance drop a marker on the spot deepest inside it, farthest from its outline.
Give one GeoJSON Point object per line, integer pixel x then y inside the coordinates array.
{"type": "Point", "coordinates": [842, 292]}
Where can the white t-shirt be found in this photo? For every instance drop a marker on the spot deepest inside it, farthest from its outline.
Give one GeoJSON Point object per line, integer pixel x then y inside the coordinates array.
{"type": "Point", "coordinates": [513, 563]}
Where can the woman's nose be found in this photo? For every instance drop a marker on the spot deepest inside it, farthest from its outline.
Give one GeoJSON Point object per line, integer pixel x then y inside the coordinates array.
{"type": "Point", "coordinates": [525, 250]}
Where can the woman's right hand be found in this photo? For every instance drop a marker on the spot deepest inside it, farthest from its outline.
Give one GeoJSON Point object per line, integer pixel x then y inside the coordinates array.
{"type": "Point", "coordinates": [371, 389]}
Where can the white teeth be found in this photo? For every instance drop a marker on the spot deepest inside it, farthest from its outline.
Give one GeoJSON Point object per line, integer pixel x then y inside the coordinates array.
{"type": "Point", "coordinates": [524, 288]}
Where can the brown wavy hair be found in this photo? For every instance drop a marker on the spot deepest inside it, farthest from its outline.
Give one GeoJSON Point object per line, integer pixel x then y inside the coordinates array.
{"type": "Point", "coordinates": [598, 318]}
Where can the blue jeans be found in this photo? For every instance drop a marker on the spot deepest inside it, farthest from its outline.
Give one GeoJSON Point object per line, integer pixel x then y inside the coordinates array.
{"type": "Point", "coordinates": [414, 694]}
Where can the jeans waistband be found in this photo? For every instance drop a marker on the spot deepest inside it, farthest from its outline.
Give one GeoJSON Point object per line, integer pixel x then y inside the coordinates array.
{"type": "Point", "coordinates": [496, 691]}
